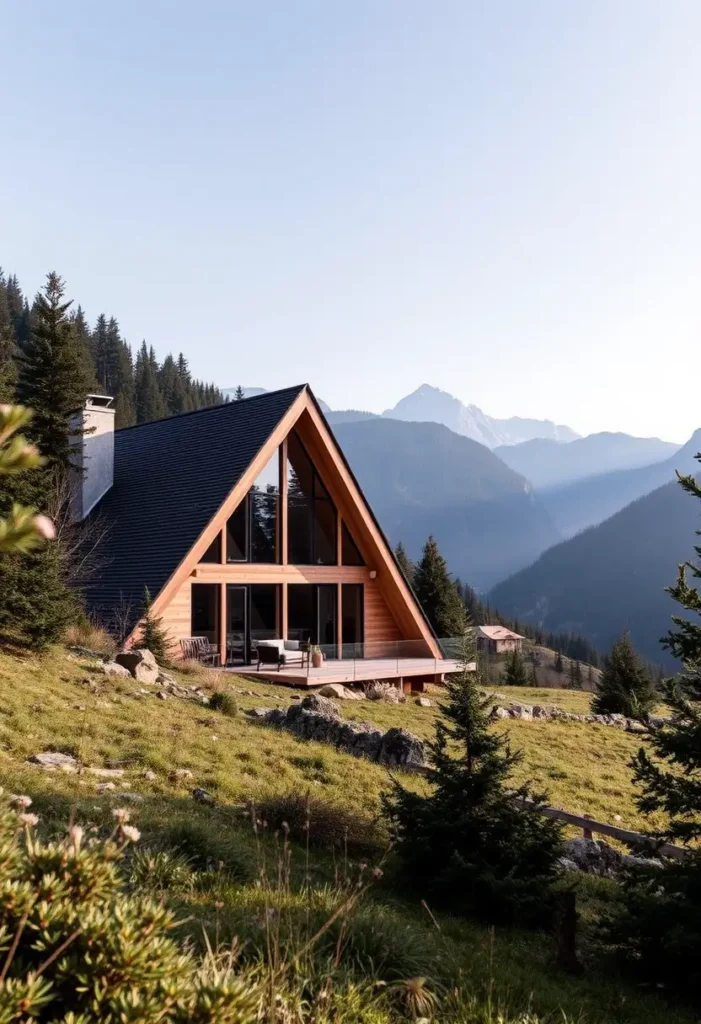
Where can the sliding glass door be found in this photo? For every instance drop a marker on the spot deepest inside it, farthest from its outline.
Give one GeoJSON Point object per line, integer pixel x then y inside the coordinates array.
{"type": "Point", "coordinates": [312, 614]}
{"type": "Point", "coordinates": [252, 614]}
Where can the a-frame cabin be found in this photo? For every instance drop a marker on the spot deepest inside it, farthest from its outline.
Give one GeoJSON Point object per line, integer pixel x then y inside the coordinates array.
{"type": "Point", "coordinates": [246, 524]}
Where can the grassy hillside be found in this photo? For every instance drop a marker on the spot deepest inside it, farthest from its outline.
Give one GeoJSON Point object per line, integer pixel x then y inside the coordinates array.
{"type": "Point", "coordinates": [61, 702]}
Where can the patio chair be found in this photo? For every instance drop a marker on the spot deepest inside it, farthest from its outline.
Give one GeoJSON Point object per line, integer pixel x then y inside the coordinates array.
{"type": "Point", "coordinates": [281, 652]}
{"type": "Point", "coordinates": [198, 648]}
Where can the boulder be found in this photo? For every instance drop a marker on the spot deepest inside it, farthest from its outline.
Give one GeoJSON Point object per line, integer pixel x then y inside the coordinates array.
{"type": "Point", "coordinates": [51, 760]}
{"type": "Point", "coordinates": [149, 775]}
{"type": "Point", "coordinates": [319, 705]}
{"type": "Point", "coordinates": [423, 702]}
{"type": "Point", "coordinates": [340, 692]}
{"type": "Point", "coordinates": [105, 787]}
{"type": "Point", "coordinates": [593, 856]}
{"type": "Point", "coordinates": [362, 739]}
{"type": "Point", "coordinates": [276, 716]}
{"type": "Point", "coordinates": [112, 668]}
{"type": "Point", "coordinates": [400, 747]}
{"type": "Point", "coordinates": [258, 712]}
{"type": "Point", "coordinates": [142, 665]}
{"type": "Point", "coordinates": [201, 796]}
{"type": "Point", "coordinates": [180, 775]}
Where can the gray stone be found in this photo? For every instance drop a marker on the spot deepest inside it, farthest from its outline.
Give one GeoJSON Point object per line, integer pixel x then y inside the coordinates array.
{"type": "Point", "coordinates": [129, 798]}
{"type": "Point", "coordinates": [111, 668]}
{"type": "Point", "coordinates": [162, 695]}
{"type": "Point", "coordinates": [423, 702]}
{"type": "Point", "coordinates": [400, 747]}
{"type": "Point", "coordinates": [275, 717]}
{"type": "Point", "coordinates": [593, 856]}
{"type": "Point", "coordinates": [107, 773]}
{"type": "Point", "coordinates": [180, 775]}
{"type": "Point", "coordinates": [141, 664]}
{"type": "Point", "coordinates": [105, 787]}
{"type": "Point", "coordinates": [51, 760]}
{"type": "Point", "coordinates": [149, 775]}
{"type": "Point", "coordinates": [340, 692]}
{"type": "Point", "coordinates": [258, 712]}
{"type": "Point", "coordinates": [202, 796]}
{"type": "Point", "coordinates": [319, 705]}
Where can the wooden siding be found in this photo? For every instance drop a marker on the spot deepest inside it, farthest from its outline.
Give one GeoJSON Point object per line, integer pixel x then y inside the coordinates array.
{"type": "Point", "coordinates": [381, 630]}
{"type": "Point", "coordinates": [177, 616]}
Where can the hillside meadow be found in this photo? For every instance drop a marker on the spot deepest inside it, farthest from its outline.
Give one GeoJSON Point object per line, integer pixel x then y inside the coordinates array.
{"type": "Point", "coordinates": [228, 867]}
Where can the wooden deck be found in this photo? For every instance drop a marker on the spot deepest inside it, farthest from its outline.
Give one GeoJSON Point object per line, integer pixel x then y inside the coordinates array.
{"type": "Point", "coordinates": [360, 670]}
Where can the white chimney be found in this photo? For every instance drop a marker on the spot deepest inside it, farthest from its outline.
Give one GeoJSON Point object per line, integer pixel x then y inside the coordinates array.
{"type": "Point", "coordinates": [94, 455]}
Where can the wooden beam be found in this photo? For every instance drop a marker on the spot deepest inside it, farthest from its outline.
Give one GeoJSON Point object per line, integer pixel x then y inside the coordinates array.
{"type": "Point", "coordinates": [339, 618]}
{"type": "Point", "coordinates": [339, 538]}
{"type": "Point", "coordinates": [223, 545]}
{"type": "Point", "coordinates": [260, 572]}
{"type": "Point", "coordinates": [222, 623]}
{"type": "Point", "coordinates": [283, 502]}
{"type": "Point", "coordinates": [283, 625]}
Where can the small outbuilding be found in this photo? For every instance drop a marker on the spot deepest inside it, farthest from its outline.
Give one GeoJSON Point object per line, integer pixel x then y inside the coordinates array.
{"type": "Point", "coordinates": [498, 639]}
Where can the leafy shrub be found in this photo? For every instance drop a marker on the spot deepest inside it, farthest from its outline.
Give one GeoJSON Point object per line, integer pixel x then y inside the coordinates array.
{"type": "Point", "coordinates": [84, 633]}
{"type": "Point", "coordinates": [161, 871]}
{"type": "Point", "coordinates": [324, 823]}
{"type": "Point", "coordinates": [224, 701]}
{"type": "Point", "coordinates": [76, 947]}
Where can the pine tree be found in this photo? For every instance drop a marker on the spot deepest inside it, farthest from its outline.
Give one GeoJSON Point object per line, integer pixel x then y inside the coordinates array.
{"type": "Point", "coordinates": [577, 676]}
{"type": "Point", "coordinates": [515, 670]}
{"type": "Point", "coordinates": [476, 843]}
{"type": "Point", "coordinates": [658, 931]}
{"type": "Point", "coordinates": [405, 563]}
{"type": "Point", "coordinates": [53, 380]}
{"type": "Point", "coordinates": [238, 394]}
{"type": "Point", "coordinates": [148, 397]}
{"type": "Point", "coordinates": [558, 665]}
{"type": "Point", "coordinates": [154, 637]}
{"type": "Point", "coordinates": [624, 688]}
{"type": "Point", "coordinates": [437, 594]}
{"type": "Point", "coordinates": [534, 675]}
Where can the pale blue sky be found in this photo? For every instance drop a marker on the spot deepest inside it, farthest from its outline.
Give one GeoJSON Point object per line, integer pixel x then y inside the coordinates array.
{"type": "Point", "coordinates": [499, 198]}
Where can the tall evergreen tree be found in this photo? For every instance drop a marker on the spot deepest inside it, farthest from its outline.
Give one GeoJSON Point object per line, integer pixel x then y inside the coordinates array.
{"type": "Point", "coordinates": [53, 380]}
{"type": "Point", "coordinates": [148, 397]}
{"type": "Point", "coordinates": [658, 931]}
{"type": "Point", "coordinates": [476, 842]}
{"type": "Point", "coordinates": [238, 394]}
{"type": "Point", "coordinates": [154, 637]}
{"type": "Point", "coordinates": [437, 594]}
{"type": "Point", "coordinates": [559, 665]}
{"type": "Point", "coordinates": [515, 670]}
{"type": "Point", "coordinates": [625, 688]}
{"type": "Point", "coordinates": [405, 563]}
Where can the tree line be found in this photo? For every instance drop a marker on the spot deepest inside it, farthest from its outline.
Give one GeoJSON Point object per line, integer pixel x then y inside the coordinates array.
{"type": "Point", "coordinates": [144, 389]}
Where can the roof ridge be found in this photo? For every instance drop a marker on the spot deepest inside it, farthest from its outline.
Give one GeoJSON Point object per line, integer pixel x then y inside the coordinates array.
{"type": "Point", "coordinates": [210, 408]}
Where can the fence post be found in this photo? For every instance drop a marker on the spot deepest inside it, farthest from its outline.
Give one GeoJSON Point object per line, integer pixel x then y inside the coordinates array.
{"type": "Point", "coordinates": [587, 832]}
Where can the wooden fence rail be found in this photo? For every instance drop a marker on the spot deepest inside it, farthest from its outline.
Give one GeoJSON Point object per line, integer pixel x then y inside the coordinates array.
{"type": "Point", "coordinates": [590, 826]}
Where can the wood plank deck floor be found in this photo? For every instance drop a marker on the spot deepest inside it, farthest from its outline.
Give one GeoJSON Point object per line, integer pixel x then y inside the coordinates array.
{"type": "Point", "coordinates": [351, 670]}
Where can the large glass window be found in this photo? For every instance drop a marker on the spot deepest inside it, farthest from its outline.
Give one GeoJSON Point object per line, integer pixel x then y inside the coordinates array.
{"type": "Point", "coordinates": [213, 552]}
{"type": "Point", "coordinates": [311, 613]}
{"type": "Point", "coordinates": [252, 531]}
{"type": "Point", "coordinates": [352, 619]}
{"type": "Point", "coordinates": [311, 526]}
{"type": "Point", "coordinates": [237, 534]}
{"type": "Point", "coordinates": [349, 549]}
{"type": "Point", "coordinates": [265, 611]}
{"type": "Point", "coordinates": [205, 611]}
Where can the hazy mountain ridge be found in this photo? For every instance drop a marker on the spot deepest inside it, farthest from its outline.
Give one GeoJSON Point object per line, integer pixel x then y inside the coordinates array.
{"type": "Point", "coordinates": [548, 464]}
{"type": "Point", "coordinates": [611, 577]}
{"type": "Point", "coordinates": [430, 404]}
{"type": "Point", "coordinates": [423, 478]}
{"type": "Point", "coordinates": [587, 502]}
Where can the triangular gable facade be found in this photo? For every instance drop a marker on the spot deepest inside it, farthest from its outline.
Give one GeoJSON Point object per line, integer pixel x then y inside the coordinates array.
{"type": "Point", "coordinates": [205, 581]}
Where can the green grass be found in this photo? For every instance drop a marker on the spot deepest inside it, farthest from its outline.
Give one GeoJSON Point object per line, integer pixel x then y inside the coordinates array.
{"type": "Point", "coordinates": [48, 703]}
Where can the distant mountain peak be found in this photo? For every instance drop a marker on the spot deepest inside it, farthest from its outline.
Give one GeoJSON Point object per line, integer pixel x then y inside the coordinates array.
{"type": "Point", "coordinates": [431, 404]}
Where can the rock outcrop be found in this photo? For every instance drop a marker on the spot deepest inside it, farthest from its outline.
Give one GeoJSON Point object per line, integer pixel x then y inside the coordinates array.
{"type": "Point", "coordinates": [595, 857]}
{"type": "Point", "coordinates": [318, 718]}
{"type": "Point", "coordinates": [142, 665]}
{"type": "Point", "coordinates": [546, 713]}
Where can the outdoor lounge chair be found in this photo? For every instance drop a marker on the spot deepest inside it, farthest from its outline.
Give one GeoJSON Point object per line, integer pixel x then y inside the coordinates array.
{"type": "Point", "coordinates": [282, 652]}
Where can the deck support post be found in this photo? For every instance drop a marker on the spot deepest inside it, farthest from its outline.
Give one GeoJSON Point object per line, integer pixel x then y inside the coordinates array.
{"type": "Point", "coordinates": [222, 623]}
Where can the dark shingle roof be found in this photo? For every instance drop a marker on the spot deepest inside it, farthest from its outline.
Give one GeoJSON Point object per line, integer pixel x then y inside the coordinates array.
{"type": "Point", "coordinates": [170, 477]}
